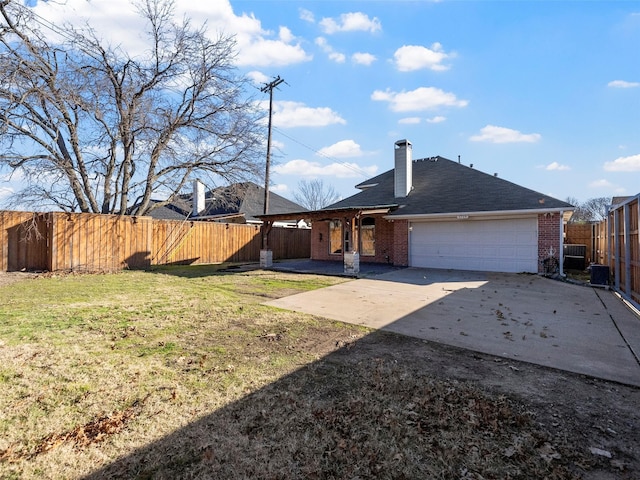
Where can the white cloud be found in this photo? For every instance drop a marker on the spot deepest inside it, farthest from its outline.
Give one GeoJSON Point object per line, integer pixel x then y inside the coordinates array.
{"type": "Point", "coordinates": [305, 168]}
{"type": "Point", "coordinates": [436, 119]}
{"type": "Point", "coordinates": [623, 84]}
{"type": "Point", "coordinates": [557, 166]}
{"type": "Point", "coordinates": [342, 149]}
{"type": "Point", "coordinates": [285, 35]}
{"type": "Point", "coordinates": [423, 98]}
{"type": "Point", "coordinates": [350, 22]}
{"type": "Point", "coordinates": [280, 188]}
{"type": "Point", "coordinates": [602, 183]}
{"type": "Point", "coordinates": [287, 114]}
{"type": "Point", "coordinates": [328, 49]}
{"type": "Point", "coordinates": [415, 57]}
{"type": "Point", "coordinates": [624, 164]}
{"type": "Point", "coordinates": [337, 57]}
{"type": "Point", "coordinates": [118, 23]}
{"type": "Point", "coordinates": [258, 78]}
{"type": "Point", "coordinates": [363, 58]}
{"type": "Point", "coordinates": [494, 134]}
{"type": "Point", "coordinates": [410, 120]}
{"type": "Point", "coordinates": [307, 15]}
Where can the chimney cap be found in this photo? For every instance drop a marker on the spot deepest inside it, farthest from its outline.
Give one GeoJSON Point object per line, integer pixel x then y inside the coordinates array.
{"type": "Point", "coordinates": [403, 142]}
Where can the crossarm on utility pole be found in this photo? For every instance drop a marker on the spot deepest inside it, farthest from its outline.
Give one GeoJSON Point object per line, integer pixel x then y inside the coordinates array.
{"type": "Point", "coordinates": [269, 87]}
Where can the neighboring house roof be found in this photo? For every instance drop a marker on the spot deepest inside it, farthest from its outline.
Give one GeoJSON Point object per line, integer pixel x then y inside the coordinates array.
{"type": "Point", "coordinates": [248, 199]}
{"type": "Point", "coordinates": [239, 200]}
{"type": "Point", "coordinates": [444, 186]}
{"type": "Point", "coordinates": [619, 200]}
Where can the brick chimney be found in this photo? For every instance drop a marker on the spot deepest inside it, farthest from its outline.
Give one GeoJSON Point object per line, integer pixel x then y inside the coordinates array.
{"type": "Point", "coordinates": [403, 173]}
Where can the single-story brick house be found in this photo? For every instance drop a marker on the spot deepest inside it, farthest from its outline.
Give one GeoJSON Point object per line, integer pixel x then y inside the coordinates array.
{"type": "Point", "coordinates": [438, 213]}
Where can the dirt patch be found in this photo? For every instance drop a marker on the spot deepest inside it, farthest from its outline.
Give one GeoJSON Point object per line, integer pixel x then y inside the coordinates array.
{"type": "Point", "coordinates": [7, 278]}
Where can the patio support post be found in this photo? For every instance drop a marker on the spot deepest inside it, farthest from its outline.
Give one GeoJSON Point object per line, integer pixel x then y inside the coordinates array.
{"type": "Point", "coordinates": [351, 258]}
{"type": "Point", "coordinates": [266, 255]}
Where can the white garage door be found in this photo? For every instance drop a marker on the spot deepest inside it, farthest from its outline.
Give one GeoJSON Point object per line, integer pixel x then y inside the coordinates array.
{"type": "Point", "coordinates": [485, 245]}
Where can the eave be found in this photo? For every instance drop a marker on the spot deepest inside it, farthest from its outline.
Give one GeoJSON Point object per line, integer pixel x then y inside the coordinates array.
{"type": "Point", "coordinates": [565, 212]}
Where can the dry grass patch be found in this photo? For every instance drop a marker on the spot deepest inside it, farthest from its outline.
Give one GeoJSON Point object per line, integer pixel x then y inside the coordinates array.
{"type": "Point", "coordinates": [182, 373]}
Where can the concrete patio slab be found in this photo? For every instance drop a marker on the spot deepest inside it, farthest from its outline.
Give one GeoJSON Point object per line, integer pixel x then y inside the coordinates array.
{"type": "Point", "coordinates": [520, 316]}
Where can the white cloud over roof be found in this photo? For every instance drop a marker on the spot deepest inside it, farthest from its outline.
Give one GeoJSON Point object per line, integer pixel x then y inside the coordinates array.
{"type": "Point", "coordinates": [557, 166]}
{"type": "Point", "coordinates": [409, 58]}
{"type": "Point", "coordinates": [350, 22]}
{"type": "Point", "coordinates": [494, 134]}
{"type": "Point", "coordinates": [288, 114]}
{"type": "Point", "coordinates": [624, 164]}
{"type": "Point", "coordinates": [602, 183]}
{"type": "Point", "coordinates": [342, 149]}
{"type": "Point", "coordinates": [423, 98]}
{"type": "Point", "coordinates": [305, 168]}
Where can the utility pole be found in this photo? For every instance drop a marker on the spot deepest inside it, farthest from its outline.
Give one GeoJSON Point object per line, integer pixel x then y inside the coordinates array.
{"type": "Point", "coordinates": [269, 87]}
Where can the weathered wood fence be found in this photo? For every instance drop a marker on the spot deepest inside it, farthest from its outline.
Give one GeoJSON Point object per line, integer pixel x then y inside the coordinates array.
{"type": "Point", "coordinates": [615, 242]}
{"type": "Point", "coordinates": [57, 241]}
{"type": "Point", "coordinates": [623, 248]}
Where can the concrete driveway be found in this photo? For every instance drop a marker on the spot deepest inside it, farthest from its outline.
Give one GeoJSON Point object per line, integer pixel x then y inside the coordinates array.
{"type": "Point", "coordinates": [524, 317]}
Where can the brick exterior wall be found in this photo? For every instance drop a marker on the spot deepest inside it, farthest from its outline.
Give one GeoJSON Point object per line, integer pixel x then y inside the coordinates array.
{"type": "Point", "coordinates": [392, 241]}
{"type": "Point", "coordinates": [401, 243]}
{"type": "Point", "coordinates": [548, 237]}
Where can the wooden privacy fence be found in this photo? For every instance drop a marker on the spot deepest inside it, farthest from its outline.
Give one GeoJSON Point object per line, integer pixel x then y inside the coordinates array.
{"type": "Point", "coordinates": [623, 248]}
{"type": "Point", "coordinates": [89, 242]}
{"type": "Point", "coordinates": [614, 242]}
{"type": "Point", "coordinates": [581, 234]}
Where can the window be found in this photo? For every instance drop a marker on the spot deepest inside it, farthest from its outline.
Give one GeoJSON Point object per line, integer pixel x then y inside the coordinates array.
{"type": "Point", "coordinates": [335, 237]}
{"type": "Point", "coordinates": [368, 236]}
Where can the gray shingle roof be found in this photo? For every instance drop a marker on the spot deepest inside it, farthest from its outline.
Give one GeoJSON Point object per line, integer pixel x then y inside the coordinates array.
{"type": "Point", "coordinates": [444, 186]}
{"type": "Point", "coordinates": [246, 199]}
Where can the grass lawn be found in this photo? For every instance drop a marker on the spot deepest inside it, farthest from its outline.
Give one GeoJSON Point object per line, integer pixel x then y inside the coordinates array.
{"type": "Point", "coordinates": [182, 373]}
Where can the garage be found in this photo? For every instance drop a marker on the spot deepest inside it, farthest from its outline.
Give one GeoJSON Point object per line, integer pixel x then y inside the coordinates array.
{"type": "Point", "coordinates": [503, 245]}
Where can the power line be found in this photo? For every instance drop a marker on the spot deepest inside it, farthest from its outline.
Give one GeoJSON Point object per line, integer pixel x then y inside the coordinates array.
{"type": "Point", "coordinates": [351, 167]}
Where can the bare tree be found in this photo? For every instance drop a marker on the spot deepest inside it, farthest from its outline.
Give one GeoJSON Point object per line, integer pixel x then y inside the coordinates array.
{"type": "Point", "coordinates": [314, 194]}
{"type": "Point", "coordinates": [592, 210]}
{"type": "Point", "coordinates": [92, 128]}
{"type": "Point", "coordinates": [579, 215]}
{"type": "Point", "coordinates": [597, 208]}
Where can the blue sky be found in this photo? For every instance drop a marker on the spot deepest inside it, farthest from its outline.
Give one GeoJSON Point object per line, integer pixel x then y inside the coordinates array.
{"type": "Point", "coordinates": [546, 94]}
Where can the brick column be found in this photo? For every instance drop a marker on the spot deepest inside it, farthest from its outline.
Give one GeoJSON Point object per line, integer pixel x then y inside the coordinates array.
{"type": "Point", "coordinates": [549, 242]}
{"type": "Point", "coordinates": [401, 243]}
